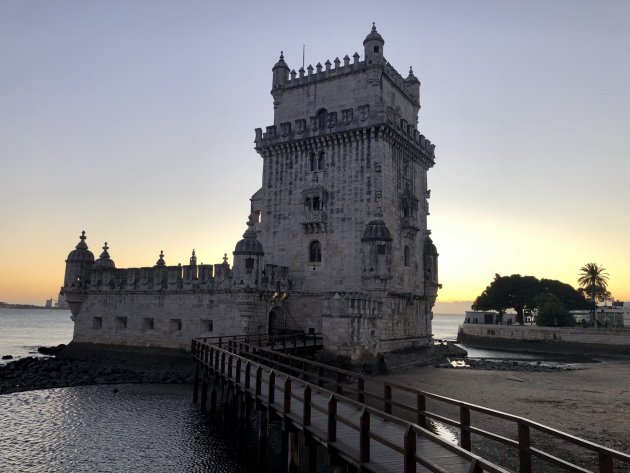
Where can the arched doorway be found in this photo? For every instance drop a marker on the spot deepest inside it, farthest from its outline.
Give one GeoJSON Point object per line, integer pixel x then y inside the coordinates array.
{"type": "Point", "coordinates": [276, 322]}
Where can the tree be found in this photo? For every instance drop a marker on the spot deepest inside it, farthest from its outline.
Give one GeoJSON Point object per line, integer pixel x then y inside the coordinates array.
{"type": "Point", "coordinates": [565, 293]}
{"type": "Point", "coordinates": [552, 312]}
{"type": "Point", "coordinates": [593, 279]}
{"type": "Point", "coordinates": [515, 291]}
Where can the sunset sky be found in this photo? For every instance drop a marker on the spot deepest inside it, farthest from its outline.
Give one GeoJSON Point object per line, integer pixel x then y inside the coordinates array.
{"type": "Point", "coordinates": [134, 121]}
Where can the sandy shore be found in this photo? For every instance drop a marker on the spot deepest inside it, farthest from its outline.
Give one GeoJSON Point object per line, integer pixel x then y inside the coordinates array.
{"type": "Point", "coordinates": [592, 403]}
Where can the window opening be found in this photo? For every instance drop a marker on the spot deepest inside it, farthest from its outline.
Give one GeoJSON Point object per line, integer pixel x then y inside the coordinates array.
{"type": "Point", "coordinates": [315, 252]}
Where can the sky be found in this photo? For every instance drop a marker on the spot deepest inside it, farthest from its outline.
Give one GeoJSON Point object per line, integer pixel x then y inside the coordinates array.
{"type": "Point", "coordinates": [134, 121]}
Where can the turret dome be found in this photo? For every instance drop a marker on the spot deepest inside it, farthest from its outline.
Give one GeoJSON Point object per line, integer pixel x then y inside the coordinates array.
{"type": "Point", "coordinates": [373, 36]}
{"type": "Point", "coordinates": [249, 245]}
{"type": "Point", "coordinates": [81, 252]}
{"type": "Point", "coordinates": [104, 261]}
{"type": "Point", "coordinates": [281, 62]}
{"type": "Point", "coordinates": [429, 247]}
{"type": "Point", "coordinates": [376, 230]}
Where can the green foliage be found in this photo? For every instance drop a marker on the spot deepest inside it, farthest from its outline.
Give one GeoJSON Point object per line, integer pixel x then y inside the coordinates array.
{"type": "Point", "coordinates": [552, 312]}
{"type": "Point", "coordinates": [526, 292]}
{"type": "Point", "coordinates": [593, 281]}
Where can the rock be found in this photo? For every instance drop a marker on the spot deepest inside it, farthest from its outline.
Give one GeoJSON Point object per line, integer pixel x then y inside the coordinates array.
{"type": "Point", "coordinates": [51, 351]}
{"type": "Point", "coordinates": [7, 357]}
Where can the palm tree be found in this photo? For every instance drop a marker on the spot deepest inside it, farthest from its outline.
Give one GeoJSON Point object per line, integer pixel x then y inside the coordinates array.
{"type": "Point", "coordinates": [593, 279]}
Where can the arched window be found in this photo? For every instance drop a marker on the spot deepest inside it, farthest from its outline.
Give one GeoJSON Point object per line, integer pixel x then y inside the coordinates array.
{"type": "Point", "coordinates": [320, 161]}
{"type": "Point", "coordinates": [406, 256]}
{"type": "Point", "coordinates": [313, 161]}
{"type": "Point", "coordinates": [321, 118]}
{"type": "Point", "coordinates": [316, 203]}
{"type": "Point", "coordinates": [315, 252]}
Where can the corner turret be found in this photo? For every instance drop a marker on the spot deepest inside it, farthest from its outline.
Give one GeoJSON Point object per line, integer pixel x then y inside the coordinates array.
{"type": "Point", "coordinates": [248, 255]}
{"type": "Point", "coordinates": [79, 264]}
{"type": "Point", "coordinates": [373, 44]}
{"type": "Point", "coordinates": [104, 261]}
{"type": "Point", "coordinates": [280, 78]}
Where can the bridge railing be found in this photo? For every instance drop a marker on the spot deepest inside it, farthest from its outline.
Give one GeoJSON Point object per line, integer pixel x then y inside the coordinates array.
{"type": "Point", "coordinates": [412, 403]}
{"type": "Point", "coordinates": [241, 370]}
{"type": "Point", "coordinates": [281, 341]}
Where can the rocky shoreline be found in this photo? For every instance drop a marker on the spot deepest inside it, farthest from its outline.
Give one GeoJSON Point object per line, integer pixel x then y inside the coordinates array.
{"type": "Point", "coordinates": [31, 373]}
{"type": "Point", "coordinates": [510, 365]}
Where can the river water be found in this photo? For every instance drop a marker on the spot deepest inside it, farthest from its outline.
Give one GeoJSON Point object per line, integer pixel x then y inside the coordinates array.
{"type": "Point", "coordinates": [108, 428]}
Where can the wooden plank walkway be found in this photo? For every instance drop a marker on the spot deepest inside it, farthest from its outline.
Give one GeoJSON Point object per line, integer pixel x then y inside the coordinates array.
{"type": "Point", "coordinates": [364, 436]}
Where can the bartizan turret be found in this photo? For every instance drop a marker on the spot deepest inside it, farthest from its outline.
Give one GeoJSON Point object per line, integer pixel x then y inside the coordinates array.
{"type": "Point", "coordinates": [77, 278]}
{"type": "Point", "coordinates": [248, 255]}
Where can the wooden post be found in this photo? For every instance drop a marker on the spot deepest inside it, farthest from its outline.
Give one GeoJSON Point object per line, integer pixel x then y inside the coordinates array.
{"type": "Point", "coordinates": [287, 395]}
{"type": "Point", "coordinates": [238, 371]}
{"type": "Point", "coordinates": [294, 451]}
{"type": "Point", "coordinates": [605, 463]}
{"type": "Point", "coordinates": [364, 436]}
{"type": "Point", "coordinates": [524, 443]}
{"type": "Point", "coordinates": [387, 398]}
{"type": "Point", "coordinates": [306, 414]}
{"type": "Point", "coordinates": [284, 447]}
{"type": "Point", "coordinates": [204, 390]}
{"type": "Point", "coordinates": [196, 382]}
{"type": "Point", "coordinates": [248, 374]}
{"type": "Point", "coordinates": [230, 367]}
{"type": "Point", "coordinates": [421, 408]}
{"type": "Point", "coordinates": [213, 397]}
{"type": "Point", "coordinates": [464, 425]}
{"type": "Point", "coordinates": [320, 371]}
{"type": "Point", "coordinates": [223, 363]}
{"type": "Point", "coordinates": [262, 441]}
{"type": "Point", "coordinates": [258, 381]}
{"type": "Point", "coordinates": [410, 451]}
{"type": "Point", "coordinates": [361, 390]}
{"type": "Point", "coordinates": [332, 419]}
{"type": "Point", "coordinates": [272, 387]}
{"type": "Point", "coordinates": [338, 378]}
{"type": "Point", "coordinates": [312, 452]}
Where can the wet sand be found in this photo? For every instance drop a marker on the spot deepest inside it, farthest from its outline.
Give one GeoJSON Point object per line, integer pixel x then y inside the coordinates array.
{"type": "Point", "coordinates": [592, 402]}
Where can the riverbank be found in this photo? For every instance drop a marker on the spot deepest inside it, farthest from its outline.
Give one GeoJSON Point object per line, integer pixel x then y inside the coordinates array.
{"type": "Point", "coordinates": [592, 402]}
{"type": "Point", "coordinates": [79, 365]}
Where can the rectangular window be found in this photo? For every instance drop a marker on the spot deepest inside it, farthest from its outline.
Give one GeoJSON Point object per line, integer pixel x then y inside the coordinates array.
{"type": "Point", "coordinates": [97, 323]}
{"type": "Point", "coordinates": [381, 249]}
{"type": "Point", "coordinates": [207, 325]}
{"type": "Point", "coordinates": [148, 324]}
{"type": "Point", "coordinates": [120, 323]}
{"type": "Point", "coordinates": [176, 325]}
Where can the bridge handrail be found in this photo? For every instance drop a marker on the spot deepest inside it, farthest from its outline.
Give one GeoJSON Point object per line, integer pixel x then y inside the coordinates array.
{"type": "Point", "coordinates": [221, 360]}
{"type": "Point", "coordinates": [523, 425]}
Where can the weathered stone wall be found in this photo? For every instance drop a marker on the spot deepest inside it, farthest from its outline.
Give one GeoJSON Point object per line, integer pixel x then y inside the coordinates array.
{"type": "Point", "coordinates": [550, 335]}
{"type": "Point", "coordinates": [167, 320]}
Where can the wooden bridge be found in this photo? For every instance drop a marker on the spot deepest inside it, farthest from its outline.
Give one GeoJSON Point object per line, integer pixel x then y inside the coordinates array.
{"type": "Point", "coordinates": [369, 425]}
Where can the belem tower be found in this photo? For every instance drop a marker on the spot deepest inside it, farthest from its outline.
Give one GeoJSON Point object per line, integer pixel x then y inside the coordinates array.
{"type": "Point", "coordinates": [336, 240]}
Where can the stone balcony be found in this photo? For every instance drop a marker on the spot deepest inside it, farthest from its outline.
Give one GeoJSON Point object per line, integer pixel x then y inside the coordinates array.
{"type": "Point", "coordinates": [314, 221]}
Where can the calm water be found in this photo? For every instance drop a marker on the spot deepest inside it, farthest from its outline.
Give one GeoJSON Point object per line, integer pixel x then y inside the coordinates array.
{"type": "Point", "coordinates": [145, 427]}
{"type": "Point", "coordinates": [22, 331]}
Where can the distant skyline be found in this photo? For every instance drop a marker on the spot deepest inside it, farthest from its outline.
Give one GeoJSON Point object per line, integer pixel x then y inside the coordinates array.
{"type": "Point", "coordinates": [135, 122]}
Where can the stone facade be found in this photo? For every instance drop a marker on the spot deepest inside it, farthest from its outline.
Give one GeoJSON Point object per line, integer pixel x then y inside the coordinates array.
{"type": "Point", "coordinates": [337, 239]}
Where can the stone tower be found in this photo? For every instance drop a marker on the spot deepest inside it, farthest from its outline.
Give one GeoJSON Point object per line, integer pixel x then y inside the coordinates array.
{"type": "Point", "coordinates": [343, 201]}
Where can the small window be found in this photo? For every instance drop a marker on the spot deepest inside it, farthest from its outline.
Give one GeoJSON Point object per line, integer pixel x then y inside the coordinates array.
{"type": "Point", "coordinates": [315, 255]}
{"type": "Point", "coordinates": [121, 323]}
{"type": "Point", "coordinates": [97, 323]}
{"type": "Point", "coordinates": [375, 49]}
{"type": "Point", "coordinates": [320, 161]}
{"type": "Point", "coordinates": [207, 325]}
{"type": "Point", "coordinates": [313, 162]}
{"type": "Point", "coordinates": [406, 256]}
{"type": "Point", "coordinates": [311, 330]}
{"type": "Point", "coordinates": [148, 323]}
{"type": "Point", "coordinates": [249, 265]}
{"type": "Point", "coordinates": [175, 325]}
{"type": "Point", "coordinates": [316, 203]}
{"type": "Point", "coordinates": [381, 249]}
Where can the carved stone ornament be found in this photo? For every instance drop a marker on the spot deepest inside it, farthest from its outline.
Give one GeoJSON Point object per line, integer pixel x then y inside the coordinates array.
{"type": "Point", "coordinates": [314, 123]}
{"type": "Point", "coordinates": [300, 126]}
{"type": "Point", "coordinates": [347, 115]}
{"type": "Point", "coordinates": [390, 115]}
{"type": "Point", "coordinates": [271, 132]}
{"type": "Point", "coordinates": [364, 112]}
{"type": "Point", "coordinates": [258, 135]}
{"type": "Point", "coordinates": [285, 129]}
{"type": "Point", "coordinates": [332, 119]}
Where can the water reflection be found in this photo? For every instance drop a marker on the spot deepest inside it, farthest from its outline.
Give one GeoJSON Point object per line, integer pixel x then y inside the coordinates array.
{"type": "Point", "coordinates": [109, 428]}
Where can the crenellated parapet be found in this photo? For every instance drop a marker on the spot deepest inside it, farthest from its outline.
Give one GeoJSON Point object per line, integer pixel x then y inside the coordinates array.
{"type": "Point", "coordinates": [341, 122]}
